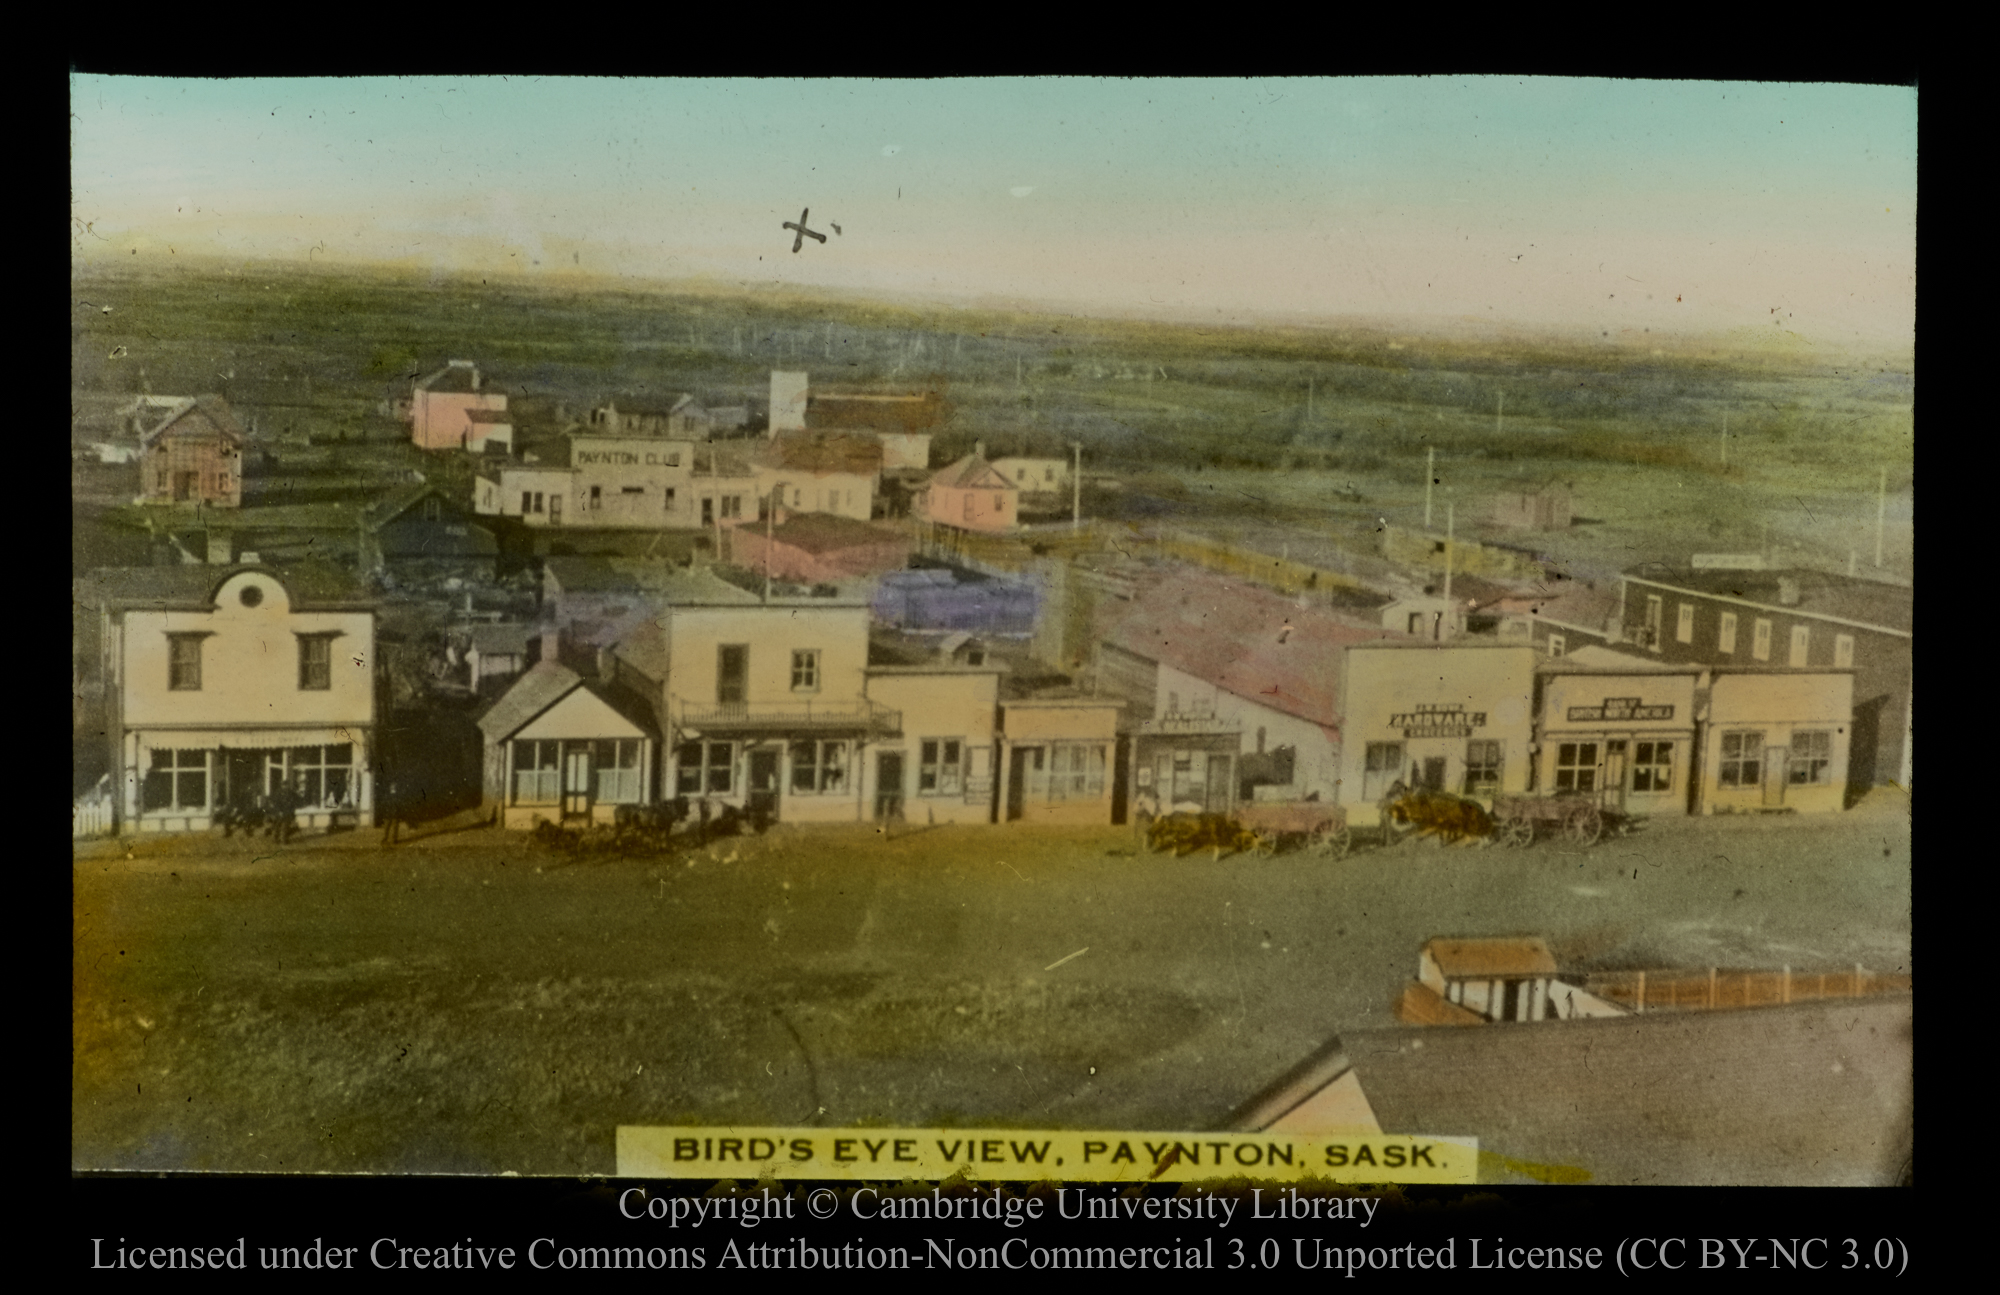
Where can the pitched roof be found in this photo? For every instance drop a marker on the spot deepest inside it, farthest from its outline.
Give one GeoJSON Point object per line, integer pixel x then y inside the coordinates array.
{"type": "Point", "coordinates": [187, 413]}
{"type": "Point", "coordinates": [540, 686]}
{"type": "Point", "coordinates": [971, 473]}
{"type": "Point", "coordinates": [909, 413]}
{"type": "Point", "coordinates": [1505, 957]}
{"type": "Point", "coordinates": [829, 533]}
{"type": "Point", "coordinates": [1570, 602]}
{"type": "Point", "coordinates": [823, 452]}
{"type": "Point", "coordinates": [1260, 646]}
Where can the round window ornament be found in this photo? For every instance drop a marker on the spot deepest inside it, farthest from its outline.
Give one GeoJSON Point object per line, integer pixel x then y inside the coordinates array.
{"type": "Point", "coordinates": [250, 596]}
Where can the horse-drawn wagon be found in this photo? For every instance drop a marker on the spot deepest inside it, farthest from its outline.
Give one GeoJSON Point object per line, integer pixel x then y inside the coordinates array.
{"type": "Point", "coordinates": [1309, 825]}
{"type": "Point", "coordinates": [1578, 817]}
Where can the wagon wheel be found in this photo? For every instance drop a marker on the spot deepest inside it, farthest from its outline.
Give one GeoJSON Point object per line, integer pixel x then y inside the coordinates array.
{"type": "Point", "coordinates": [1518, 830]}
{"type": "Point", "coordinates": [1263, 844]}
{"type": "Point", "coordinates": [1330, 839]}
{"type": "Point", "coordinates": [1584, 825]}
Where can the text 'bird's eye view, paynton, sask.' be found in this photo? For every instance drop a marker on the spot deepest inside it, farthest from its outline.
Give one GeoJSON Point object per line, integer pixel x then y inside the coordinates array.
{"type": "Point", "coordinates": [1361, 626]}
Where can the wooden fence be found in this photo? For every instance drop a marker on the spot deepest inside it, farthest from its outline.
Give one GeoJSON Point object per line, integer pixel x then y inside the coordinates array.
{"type": "Point", "coordinates": [1716, 989]}
{"type": "Point", "coordinates": [90, 816]}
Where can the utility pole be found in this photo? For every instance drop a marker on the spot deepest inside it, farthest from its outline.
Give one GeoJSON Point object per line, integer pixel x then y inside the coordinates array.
{"type": "Point", "coordinates": [1500, 418]}
{"type": "Point", "coordinates": [1450, 521]}
{"type": "Point", "coordinates": [1430, 475]}
{"type": "Point", "coordinates": [1076, 489]}
{"type": "Point", "coordinates": [1309, 402]}
{"type": "Point", "coordinates": [770, 527]}
{"type": "Point", "coordinates": [1725, 438]}
{"type": "Point", "coordinates": [1881, 515]}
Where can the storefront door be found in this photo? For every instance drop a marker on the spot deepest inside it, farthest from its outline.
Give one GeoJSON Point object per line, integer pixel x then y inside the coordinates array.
{"type": "Point", "coordinates": [764, 783]}
{"type": "Point", "coordinates": [1433, 775]}
{"type": "Point", "coordinates": [576, 782]}
{"type": "Point", "coordinates": [1614, 776]}
{"type": "Point", "coordinates": [888, 786]}
{"type": "Point", "coordinates": [1219, 784]}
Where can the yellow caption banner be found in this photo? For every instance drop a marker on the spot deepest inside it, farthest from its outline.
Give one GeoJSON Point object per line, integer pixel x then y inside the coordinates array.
{"type": "Point", "coordinates": [1014, 1155]}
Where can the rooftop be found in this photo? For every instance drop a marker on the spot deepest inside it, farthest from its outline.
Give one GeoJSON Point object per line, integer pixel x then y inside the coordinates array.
{"type": "Point", "coordinates": [1821, 593]}
{"type": "Point", "coordinates": [187, 415]}
{"type": "Point", "coordinates": [1459, 959]}
{"type": "Point", "coordinates": [667, 584]}
{"type": "Point", "coordinates": [971, 473]}
{"type": "Point", "coordinates": [313, 586]}
{"type": "Point", "coordinates": [458, 376]}
{"type": "Point", "coordinates": [829, 533]}
{"type": "Point", "coordinates": [823, 452]}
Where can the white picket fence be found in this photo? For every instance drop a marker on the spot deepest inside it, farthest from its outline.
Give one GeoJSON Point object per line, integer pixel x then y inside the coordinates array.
{"type": "Point", "coordinates": [90, 815]}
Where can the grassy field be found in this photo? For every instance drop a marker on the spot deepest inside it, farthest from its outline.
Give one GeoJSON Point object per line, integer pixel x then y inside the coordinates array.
{"type": "Point", "coordinates": [478, 1007]}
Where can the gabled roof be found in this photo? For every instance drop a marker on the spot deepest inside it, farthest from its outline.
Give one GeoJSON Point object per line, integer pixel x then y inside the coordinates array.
{"type": "Point", "coordinates": [824, 452]}
{"type": "Point", "coordinates": [540, 686]}
{"type": "Point", "coordinates": [401, 500]}
{"type": "Point", "coordinates": [971, 473]}
{"type": "Point", "coordinates": [459, 376]}
{"type": "Point", "coordinates": [1569, 602]}
{"type": "Point", "coordinates": [1258, 645]}
{"type": "Point", "coordinates": [198, 415]}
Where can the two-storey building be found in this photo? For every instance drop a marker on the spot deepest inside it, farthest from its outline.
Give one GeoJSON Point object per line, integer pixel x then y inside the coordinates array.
{"type": "Point", "coordinates": [441, 404]}
{"type": "Point", "coordinates": [193, 455]}
{"type": "Point", "coordinates": [1795, 619]}
{"type": "Point", "coordinates": [224, 685]}
{"type": "Point", "coordinates": [819, 472]}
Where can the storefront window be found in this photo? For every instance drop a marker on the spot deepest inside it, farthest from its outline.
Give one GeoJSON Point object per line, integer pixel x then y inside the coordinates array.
{"type": "Point", "coordinates": [707, 768]}
{"type": "Point", "coordinates": [1576, 766]}
{"type": "Point", "coordinates": [321, 775]}
{"type": "Point", "coordinates": [819, 768]}
{"type": "Point", "coordinates": [177, 780]}
{"type": "Point", "coordinates": [940, 767]}
{"type": "Point", "coordinates": [1652, 766]}
{"type": "Point", "coordinates": [1482, 768]}
{"type": "Point", "coordinates": [1742, 759]}
{"type": "Point", "coordinates": [537, 777]}
{"type": "Point", "coordinates": [1384, 766]}
{"type": "Point", "coordinates": [1812, 759]}
{"type": "Point", "coordinates": [1076, 771]}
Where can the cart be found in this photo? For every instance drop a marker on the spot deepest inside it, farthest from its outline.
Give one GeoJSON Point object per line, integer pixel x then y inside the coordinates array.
{"type": "Point", "coordinates": [1578, 817]}
{"type": "Point", "coordinates": [1310, 825]}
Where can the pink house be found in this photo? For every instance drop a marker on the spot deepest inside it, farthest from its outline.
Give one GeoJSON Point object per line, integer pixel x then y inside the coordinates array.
{"type": "Point", "coordinates": [971, 495]}
{"type": "Point", "coordinates": [441, 406]}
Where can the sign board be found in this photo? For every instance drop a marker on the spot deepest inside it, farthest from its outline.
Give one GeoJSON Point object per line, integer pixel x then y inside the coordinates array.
{"type": "Point", "coordinates": [1617, 709]}
{"type": "Point", "coordinates": [1012, 1155]}
{"type": "Point", "coordinates": [1438, 721]}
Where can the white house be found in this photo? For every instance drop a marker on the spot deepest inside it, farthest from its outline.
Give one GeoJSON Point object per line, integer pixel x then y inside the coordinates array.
{"type": "Point", "coordinates": [224, 685]}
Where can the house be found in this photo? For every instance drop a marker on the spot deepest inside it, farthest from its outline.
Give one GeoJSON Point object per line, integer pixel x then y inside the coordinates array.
{"type": "Point", "coordinates": [635, 482]}
{"type": "Point", "coordinates": [1057, 750]}
{"type": "Point", "coordinates": [539, 490]}
{"type": "Point", "coordinates": [419, 531]}
{"type": "Point", "coordinates": [561, 747]}
{"type": "Point", "coordinates": [223, 685]}
{"type": "Point", "coordinates": [1798, 619]}
{"type": "Point", "coordinates": [882, 413]}
{"type": "Point", "coordinates": [1425, 616]}
{"type": "Point", "coordinates": [489, 431]}
{"type": "Point", "coordinates": [1035, 476]}
{"type": "Point", "coordinates": [942, 767]}
{"type": "Point", "coordinates": [494, 652]}
{"type": "Point", "coordinates": [193, 455]}
{"type": "Point", "coordinates": [819, 548]}
{"type": "Point", "coordinates": [1454, 717]}
{"type": "Point", "coordinates": [1571, 614]}
{"type": "Point", "coordinates": [970, 495]}
{"type": "Point", "coordinates": [674, 417]}
{"type": "Point", "coordinates": [819, 472]}
{"type": "Point", "coordinates": [1532, 506]}
{"type": "Point", "coordinates": [1777, 739]}
{"type": "Point", "coordinates": [441, 403]}
{"type": "Point", "coordinates": [1620, 728]}
{"type": "Point", "coordinates": [727, 489]}
{"type": "Point", "coordinates": [1229, 686]}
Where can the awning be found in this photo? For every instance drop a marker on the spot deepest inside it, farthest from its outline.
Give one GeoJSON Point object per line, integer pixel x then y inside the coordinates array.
{"type": "Point", "coordinates": [249, 739]}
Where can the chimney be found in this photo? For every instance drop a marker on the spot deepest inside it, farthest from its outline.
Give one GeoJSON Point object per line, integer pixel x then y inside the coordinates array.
{"type": "Point", "coordinates": [1788, 591]}
{"type": "Point", "coordinates": [551, 643]}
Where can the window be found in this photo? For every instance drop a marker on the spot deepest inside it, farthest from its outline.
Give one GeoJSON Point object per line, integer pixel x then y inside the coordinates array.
{"type": "Point", "coordinates": [732, 673]}
{"type": "Point", "coordinates": [1048, 474]}
{"type": "Point", "coordinates": [315, 662]}
{"type": "Point", "coordinates": [1557, 646]}
{"type": "Point", "coordinates": [1812, 759]}
{"type": "Point", "coordinates": [1076, 771]}
{"type": "Point", "coordinates": [1576, 766]}
{"type": "Point", "coordinates": [632, 490]}
{"type": "Point", "coordinates": [1760, 641]}
{"type": "Point", "coordinates": [1725, 639]}
{"type": "Point", "coordinates": [597, 496]}
{"type": "Point", "coordinates": [805, 670]}
{"type": "Point", "coordinates": [618, 771]}
{"type": "Point", "coordinates": [1654, 606]}
{"type": "Point", "coordinates": [668, 495]}
{"type": "Point", "coordinates": [537, 773]}
{"type": "Point", "coordinates": [1684, 623]}
{"type": "Point", "coordinates": [674, 459]}
{"type": "Point", "coordinates": [1801, 644]}
{"type": "Point", "coordinates": [999, 503]}
{"type": "Point", "coordinates": [1384, 765]}
{"type": "Point", "coordinates": [184, 662]}
{"type": "Point", "coordinates": [177, 780]}
{"type": "Point", "coordinates": [732, 506]}
{"type": "Point", "coordinates": [940, 767]}
{"type": "Point", "coordinates": [707, 768]}
{"type": "Point", "coordinates": [1652, 766]}
{"type": "Point", "coordinates": [250, 596]}
{"type": "Point", "coordinates": [1742, 760]}
{"type": "Point", "coordinates": [819, 768]}
{"type": "Point", "coordinates": [1482, 768]}
{"type": "Point", "coordinates": [322, 775]}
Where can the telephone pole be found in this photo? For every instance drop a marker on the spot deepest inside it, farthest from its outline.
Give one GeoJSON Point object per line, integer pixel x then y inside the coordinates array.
{"type": "Point", "coordinates": [1076, 489]}
{"type": "Point", "coordinates": [1430, 475]}
{"type": "Point", "coordinates": [1881, 515]}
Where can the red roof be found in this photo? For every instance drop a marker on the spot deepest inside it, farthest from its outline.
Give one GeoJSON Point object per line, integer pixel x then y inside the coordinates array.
{"type": "Point", "coordinates": [823, 452]}
{"type": "Point", "coordinates": [1244, 639]}
{"type": "Point", "coordinates": [818, 533]}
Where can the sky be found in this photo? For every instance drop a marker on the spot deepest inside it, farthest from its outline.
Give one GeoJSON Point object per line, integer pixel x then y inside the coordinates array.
{"type": "Point", "coordinates": [1679, 207]}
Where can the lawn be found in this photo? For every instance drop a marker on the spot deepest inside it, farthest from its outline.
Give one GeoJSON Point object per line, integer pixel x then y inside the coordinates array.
{"type": "Point", "coordinates": [487, 1008]}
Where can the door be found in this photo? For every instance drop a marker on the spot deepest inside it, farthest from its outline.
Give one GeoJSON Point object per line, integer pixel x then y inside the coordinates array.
{"type": "Point", "coordinates": [732, 673]}
{"type": "Point", "coordinates": [1219, 784]}
{"type": "Point", "coordinates": [1777, 770]}
{"type": "Point", "coordinates": [888, 786]}
{"type": "Point", "coordinates": [184, 486]}
{"type": "Point", "coordinates": [1030, 777]}
{"type": "Point", "coordinates": [1433, 775]}
{"type": "Point", "coordinates": [764, 784]}
{"type": "Point", "coordinates": [708, 511]}
{"type": "Point", "coordinates": [555, 510]}
{"type": "Point", "coordinates": [1614, 777]}
{"type": "Point", "coordinates": [576, 782]}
